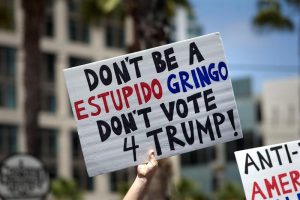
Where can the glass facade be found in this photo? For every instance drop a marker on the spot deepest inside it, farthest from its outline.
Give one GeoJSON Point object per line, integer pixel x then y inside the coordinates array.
{"type": "Point", "coordinates": [48, 99]}
{"type": "Point", "coordinates": [115, 34]}
{"type": "Point", "coordinates": [78, 30]}
{"type": "Point", "coordinates": [8, 140]}
{"type": "Point", "coordinates": [76, 61]}
{"type": "Point", "coordinates": [49, 19]}
{"type": "Point", "coordinates": [48, 150]}
{"type": "Point", "coordinates": [201, 156]}
{"type": "Point", "coordinates": [7, 77]}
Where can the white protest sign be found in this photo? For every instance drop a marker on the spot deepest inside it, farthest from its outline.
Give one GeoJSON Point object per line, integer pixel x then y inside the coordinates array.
{"type": "Point", "coordinates": [271, 172]}
{"type": "Point", "coordinates": [172, 99]}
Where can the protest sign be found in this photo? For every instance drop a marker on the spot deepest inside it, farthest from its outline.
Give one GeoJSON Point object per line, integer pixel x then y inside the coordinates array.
{"type": "Point", "coordinates": [172, 99]}
{"type": "Point", "coordinates": [271, 172]}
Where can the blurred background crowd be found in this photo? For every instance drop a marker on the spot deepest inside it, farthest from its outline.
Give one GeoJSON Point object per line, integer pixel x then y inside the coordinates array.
{"type": "Point", "coordinates": [40, 38]}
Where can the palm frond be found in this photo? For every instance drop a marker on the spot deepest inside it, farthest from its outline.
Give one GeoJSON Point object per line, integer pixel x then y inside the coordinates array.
{"type": "Point", "coordinates": [171, 6]}
{"type": "Point", "coordinates": [94, 10]}
{"type": "Point", "coordinates": [270, 16]}
{"type": "Point", "coordinates": [272, 19]}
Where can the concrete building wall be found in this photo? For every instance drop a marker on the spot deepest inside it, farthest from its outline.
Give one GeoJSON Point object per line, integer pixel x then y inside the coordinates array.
{"type": "Point", "coordinates": [281, 111]}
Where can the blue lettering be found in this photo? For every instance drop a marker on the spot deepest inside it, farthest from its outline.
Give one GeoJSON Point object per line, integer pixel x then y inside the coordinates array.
{"type": "Point", "coordinates": [184, 77]}
{"type": "Point", "coordinates": [197, 85]}
{"type": "Point", "coordinates": [220, 66]}
{"type": "Point", "coordinates": [203, 76]}
{"type": "Point", "coordinates": [198, 77]}
{"type": "Point", "coordinates": [175, 87]}
{"type": "Point", "coordinates": [213, 75]}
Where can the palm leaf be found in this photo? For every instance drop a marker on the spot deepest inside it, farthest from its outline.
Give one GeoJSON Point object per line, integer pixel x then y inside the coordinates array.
{"type": "Point", "coordinates": [94, 10]}
{"type": "Point", "coordinates": [270, 17]}
{"type": "Point", "coordinates": [171, 6]}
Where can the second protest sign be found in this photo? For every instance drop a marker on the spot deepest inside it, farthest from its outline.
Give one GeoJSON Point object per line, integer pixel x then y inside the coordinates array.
{"type": "Point", "coordinates": [174, 99]}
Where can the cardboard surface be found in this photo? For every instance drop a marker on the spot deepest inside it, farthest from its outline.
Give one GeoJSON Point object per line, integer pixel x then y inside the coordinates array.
{"type": "Point", "coordinates": [174, 98]}
{"type": "Point", "coordinates": [271, 172]}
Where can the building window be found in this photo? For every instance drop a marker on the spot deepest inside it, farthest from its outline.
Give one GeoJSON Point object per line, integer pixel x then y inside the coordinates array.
{"type": "Point", "coordinates": [115, 34]}
{"type": "Point", "coordinates": [78, 30]}
{"type": "Point", "coordinates": [7, 19]}
{"type": "Point", "coordinates": [48, 150]}
{"type": "Point", "coordinates": [258, 112]}
{"type": "Point", "coordinates": [76, 61]}
{"type": "Point", "coordinates": [242, 87]}
{"type": "Point", "coordinates": [117, 179]}
{"type": "Point", "coordinates": [8, 140]}
{"type": "Point", "coordinates": [79, 169]}
{"type": "Point", "coordinates": [49, 19]}
{"type": "Point", "coordinates": [48, 97]}
{"type": "Point", "coordinates": [7, 77]}
{"type": "Point", "coordinates": [250, 140]}
{"type": "Point", "coordinates": [201, 156]}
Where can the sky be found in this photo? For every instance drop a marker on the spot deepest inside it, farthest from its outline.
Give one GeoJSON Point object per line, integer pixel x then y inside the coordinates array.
{"type": "Point", "coordinates": [261, 55]}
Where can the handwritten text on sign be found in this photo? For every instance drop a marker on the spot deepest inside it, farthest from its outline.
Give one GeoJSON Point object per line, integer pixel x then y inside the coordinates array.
{"type": "Point", "coordinates": [173, 99]}
{"type": "Point", "coordinates": [271, 172]}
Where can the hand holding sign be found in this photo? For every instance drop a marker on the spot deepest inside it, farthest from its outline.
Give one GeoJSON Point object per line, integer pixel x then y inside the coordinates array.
{"type": "Point", "coordinates": [145, 174]}
{"type": "Point", "coordinates": [173, 99]}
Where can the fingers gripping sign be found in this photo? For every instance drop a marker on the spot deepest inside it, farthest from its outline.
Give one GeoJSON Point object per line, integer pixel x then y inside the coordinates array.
{"type": "Point", "coordinates": [149, 168]}
{"type": "Point", "coordinates": [145, 173]}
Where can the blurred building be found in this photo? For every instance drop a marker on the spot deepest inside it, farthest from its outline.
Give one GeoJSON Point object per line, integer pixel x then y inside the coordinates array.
{"type": "Point", "coordinates": [184, 25]}
{"type": "Point", "coordinates": [67, 42]}
{"type": "Point", "coordinates": [281, 110]}
{"type": "Point", "coordinates": [212, 167]}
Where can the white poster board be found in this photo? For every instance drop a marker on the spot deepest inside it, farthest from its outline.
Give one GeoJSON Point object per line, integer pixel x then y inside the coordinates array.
{"type": "Point", "coordinates": [271, 172]}
{"type": "Point", "coordinates": [173, 99]}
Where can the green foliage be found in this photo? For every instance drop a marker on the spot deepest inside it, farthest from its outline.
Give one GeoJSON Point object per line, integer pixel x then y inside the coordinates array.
{"type": "Point", "coordinates": [186, 190]}
{"type": "Point", "coordinates": [64, 189]}
{"type": "Point", "coordinates": [95, 10]}
{"type": "Point", "coordinates": [230, 191]}
{"type": "Point", "coordinates": [171, 6]}
{"type": "Point", "coordinates": [122, 188]}
{"type": "Point", "coordinates": [270, 15]}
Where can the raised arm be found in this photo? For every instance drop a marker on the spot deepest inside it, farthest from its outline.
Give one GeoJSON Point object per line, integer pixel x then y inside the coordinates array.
{"type": "Point", "coordinates": [145, 172]}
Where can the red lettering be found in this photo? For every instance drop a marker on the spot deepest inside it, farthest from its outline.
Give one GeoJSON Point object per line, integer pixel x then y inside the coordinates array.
{"type": "Point", "coordinates": [103, 96]}
{"type": "Point", "coordinates": [146, 91]}
{"type": "Point", "coordinates": [79, 109]}
{"type": "Point", "coordinates": [272, 186]}
{"type": "Point", "coordinates": [98, 109]}
{"type": "Point", "coordinates": [283, 184]}
{"type": "Point", "coordinates": [138, 94]}
{"type": "Point", "coordinates": [127, 92]}
{"type": "Point", "coordinates": [156, 94]}
{"type": "Point", "coordinates": [295, 175]}
{"type": "Point", "coordinates": [120, 106]}
{"type": "Point", "coordinates": [256, 190]}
